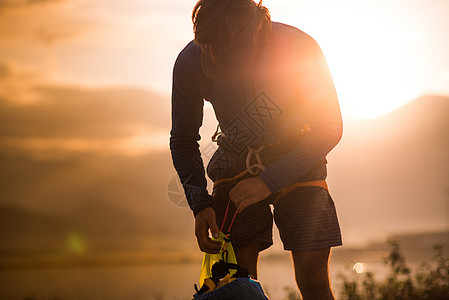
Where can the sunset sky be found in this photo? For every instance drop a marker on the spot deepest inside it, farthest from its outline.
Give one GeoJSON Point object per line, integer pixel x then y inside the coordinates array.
{"type": "Point", "coordinates": [382, 54]}
{"type": "Point", "coordinates": [94, 76]}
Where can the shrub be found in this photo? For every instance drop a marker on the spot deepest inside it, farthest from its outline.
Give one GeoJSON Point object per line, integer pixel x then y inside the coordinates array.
{"type": "Point", "coordinates": [431, 281]}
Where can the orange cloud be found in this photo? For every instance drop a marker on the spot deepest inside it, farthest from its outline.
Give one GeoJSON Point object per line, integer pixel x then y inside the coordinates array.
{"type": "Point", "coordinates": [42, 21]}
{"type": "Point", "coordinates": [125, 121]}
{"type": "Point", "coordinates": [139, 144]}
{"type": "Point", "coordinates": [17, 83]}
{"type": "Point", "coordinates": [17, 3]}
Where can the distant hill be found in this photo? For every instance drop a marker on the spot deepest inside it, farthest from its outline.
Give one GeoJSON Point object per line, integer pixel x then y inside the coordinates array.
{"type": "Point", "coordinates": [117, 200]}
{"type": "Point", "coordinates": [416, 247]}
{"type": "Point", "coordinates": [387, 176]}
{"type": "Point", "coordinates": [100, 227]}
{"type": "Point", "coordinates": [391, 174]}
{"type": "Point", "coordinates": [22, 232]}
{"type": "Point", "coordinates": [426, 116]}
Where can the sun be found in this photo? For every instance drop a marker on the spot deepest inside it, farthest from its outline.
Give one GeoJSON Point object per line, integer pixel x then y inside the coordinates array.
{"type": "Point", "coordinates": [370, 65]}
{"type": "Point", "coordinates": [371, 73]}
{"type": "Point", "coordinates": [369, 56]}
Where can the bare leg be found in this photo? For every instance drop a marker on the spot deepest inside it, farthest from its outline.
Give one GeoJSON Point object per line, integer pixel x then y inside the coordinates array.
{"type": "Point", "coordinates": [247, 257]}
{"type": "Point", "coordinates": [312, 274]}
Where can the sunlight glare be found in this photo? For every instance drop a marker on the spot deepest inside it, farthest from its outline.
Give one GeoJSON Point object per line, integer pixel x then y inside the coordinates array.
{"type": "Point", "coordinates": [76, 243]}
{"type": "Point", "coordinates": [359, 268]}
{"type": "Point", "coordinates": [370, 67]}
{"type": "Point", "coordinates": [370, 57]}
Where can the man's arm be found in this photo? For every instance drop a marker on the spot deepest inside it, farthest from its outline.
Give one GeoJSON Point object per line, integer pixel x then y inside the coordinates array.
{"type": "Point", "coordinates": [318, 103]}
{"type": "Point", "coordinates": [187, 118]}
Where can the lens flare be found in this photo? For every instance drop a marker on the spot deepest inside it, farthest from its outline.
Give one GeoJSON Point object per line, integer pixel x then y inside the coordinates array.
{"type": "Point", "coordinates": [76, 243]}
{"type": "Point", "coordinates": [359, 268]}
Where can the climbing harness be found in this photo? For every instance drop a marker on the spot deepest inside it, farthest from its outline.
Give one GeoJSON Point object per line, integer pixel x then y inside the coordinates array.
{"type": "Point", "coordinates": [256, 168]}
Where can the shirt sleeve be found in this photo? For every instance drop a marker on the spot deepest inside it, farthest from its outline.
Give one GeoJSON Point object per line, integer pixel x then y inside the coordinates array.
{"type": "Point", "coordinates": [318, 104]}
{"type": "Point", "coordinates": [187, 117]}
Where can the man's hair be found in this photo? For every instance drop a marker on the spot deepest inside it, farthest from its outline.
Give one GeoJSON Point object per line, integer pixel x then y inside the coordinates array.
{"type": "Point", "coordinates": [222, 25]}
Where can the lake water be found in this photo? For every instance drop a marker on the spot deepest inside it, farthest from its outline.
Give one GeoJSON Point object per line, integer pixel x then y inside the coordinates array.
{"type": "Point", "coordinates": [156, 281]}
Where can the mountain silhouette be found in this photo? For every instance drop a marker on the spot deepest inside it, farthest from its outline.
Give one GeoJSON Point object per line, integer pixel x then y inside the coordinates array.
{"type": "Point", "coordinates": [387, 175]}
{"type": "Point", "coordinates": [391, 174]}
{"type": "Point", "coordinates": [101, 226]}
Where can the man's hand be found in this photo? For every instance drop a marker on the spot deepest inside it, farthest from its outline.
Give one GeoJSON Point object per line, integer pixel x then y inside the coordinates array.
{"type": "Point", "coordinates": [249, 191]}
{"type": "Point", "coordinates": [205, 220]}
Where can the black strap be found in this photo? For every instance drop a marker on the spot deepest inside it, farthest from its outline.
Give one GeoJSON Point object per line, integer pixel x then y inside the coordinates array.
{"type": "Point", "coordinates": [221, 268]}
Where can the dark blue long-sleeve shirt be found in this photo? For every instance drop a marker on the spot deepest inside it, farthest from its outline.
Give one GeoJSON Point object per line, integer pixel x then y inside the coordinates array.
{"type": "Point", "coordinates": [289, 85]}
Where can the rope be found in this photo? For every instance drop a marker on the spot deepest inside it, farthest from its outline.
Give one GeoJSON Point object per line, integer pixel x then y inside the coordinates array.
{"type": "Point", "coordinates": [232, 221]}
{"type": "Point", "coordinates": [217, 134]}
{"type": "Point", "coordinates": [225, 216]}
{"type": "Point", "coordinates": [259, 164]}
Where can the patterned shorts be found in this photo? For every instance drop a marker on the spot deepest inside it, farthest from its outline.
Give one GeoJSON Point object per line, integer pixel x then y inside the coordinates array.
{"type": "Point", "coordinates": [306, 216]}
